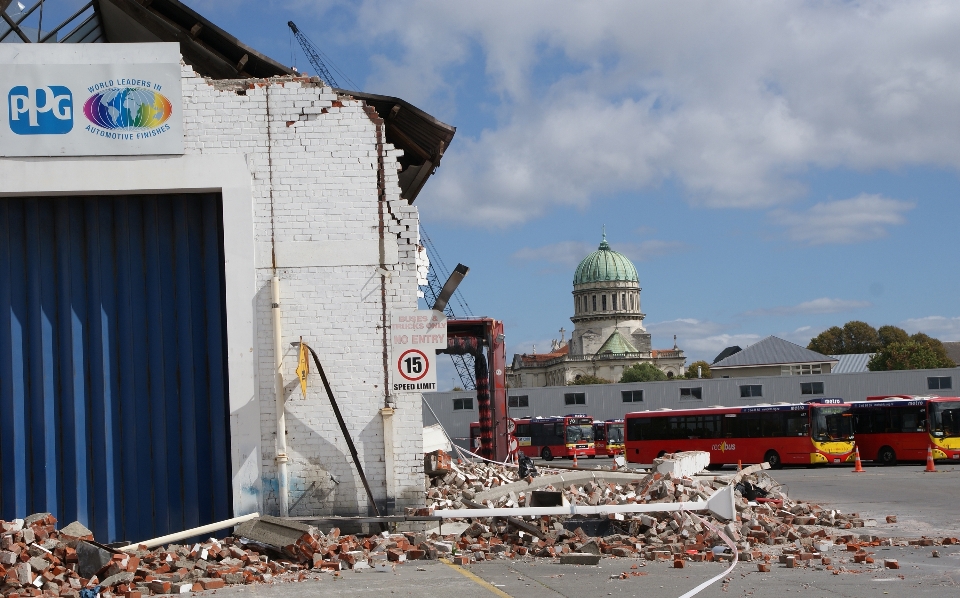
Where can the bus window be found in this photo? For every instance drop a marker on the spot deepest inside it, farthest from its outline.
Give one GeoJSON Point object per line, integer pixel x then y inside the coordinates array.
{"type": "Point", "coordinates": [945, 419]}
{"type": "Point", "coordinates": [579, 433]}
{"type": "Point", "coordinates": [832, 423]}
{"type": "Point", "coordinates": [616, 434]}
{"type": "Point", "coordinates": [638, 428]}
{"type": "Point", "coordinates": [795, 423]}
{"type": "Point", "coordinates": [599, 433]}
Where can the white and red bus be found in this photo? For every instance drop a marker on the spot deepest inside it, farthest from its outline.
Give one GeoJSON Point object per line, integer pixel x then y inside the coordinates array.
{"type": "Point", "coordinates": [608, 437]}
{"type": "Point", "coordinates": [789, 434]}
{"type": "Point", "coordinates": [902, 427]}
{"type": "Point", "coordinates": [556, 436]}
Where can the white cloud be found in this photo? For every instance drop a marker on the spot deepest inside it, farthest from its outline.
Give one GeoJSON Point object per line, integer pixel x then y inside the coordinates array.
{"type": "Point", "coordinates": [945, 329]}
{"type": "Point", "coordinates": [732, 100]}
{"type": "Point", "coordinates": [860, 218]}
{"type": "Point", "coordinates": [699, 339]}
{"type": "Point", "coordinates": [823, 305]}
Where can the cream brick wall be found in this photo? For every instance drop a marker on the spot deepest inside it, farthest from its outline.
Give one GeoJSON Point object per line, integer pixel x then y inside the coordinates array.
{"type": "Point", "coordinates": [318, 154]}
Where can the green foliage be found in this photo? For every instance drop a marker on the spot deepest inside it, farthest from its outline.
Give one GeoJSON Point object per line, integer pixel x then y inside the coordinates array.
{"type": "Point", "coordinates": [704, 369]}
{"type": "Point", "coordinates": [892, 334]}
{"type": "Point", "coordinates": [908, 355]}
{"type": "Point", "coordinates": [828, 342]}
{"type": "Point", "coordinates": [581, 380]}
{"type": "Point", "coordinates": [854, 337]}
{"type": "Point", "coordinates": [893, 348]}
{"type": "Point", "coordinates": [642, 372]}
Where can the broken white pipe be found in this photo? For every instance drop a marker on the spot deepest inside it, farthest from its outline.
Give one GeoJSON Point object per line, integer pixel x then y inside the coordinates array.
{"type": "Point", "coordinates": [281, 442]}
{"type": "Point", "coordinates": [720, 503]}
{"type": "Point", "coordinates": [189, 533]}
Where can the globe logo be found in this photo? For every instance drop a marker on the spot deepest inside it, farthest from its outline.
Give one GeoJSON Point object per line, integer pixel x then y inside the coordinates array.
{"type": "Point", "coordinates": [127, 109]}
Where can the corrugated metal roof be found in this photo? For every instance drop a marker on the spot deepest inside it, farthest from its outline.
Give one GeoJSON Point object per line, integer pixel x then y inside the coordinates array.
{"type": "Point", "coordinates": [772, 351]}
{"type": "Point", "coordinates": [851, 364]}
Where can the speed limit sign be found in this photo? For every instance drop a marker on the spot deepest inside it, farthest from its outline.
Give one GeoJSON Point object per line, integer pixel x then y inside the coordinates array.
{"type": "Point", "coordinates": [415, 337]}
{"type": "Point", "coordinates": [414, 371]}
{"type": "Point", "coordinates": [413, 365]}
{"type": "Point", "coordinates": [511, 425]}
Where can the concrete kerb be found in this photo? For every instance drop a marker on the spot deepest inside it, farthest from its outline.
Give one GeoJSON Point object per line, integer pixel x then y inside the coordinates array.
{"type": "Point", "coordinates": [559, 480]}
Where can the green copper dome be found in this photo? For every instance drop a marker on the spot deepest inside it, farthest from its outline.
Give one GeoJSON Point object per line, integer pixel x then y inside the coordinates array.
{"type": "Point", "coordinates": [605, 265]}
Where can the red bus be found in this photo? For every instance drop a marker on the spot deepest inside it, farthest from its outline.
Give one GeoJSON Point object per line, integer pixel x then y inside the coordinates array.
{"type": "Point", "coordinates": [902, 427]}
{"type": "Point", "coordinates": [608, 437]}
{"type": "Point", "coordinates": [556, 436]}
{"type": "Point", "coordinates": [803, 434]}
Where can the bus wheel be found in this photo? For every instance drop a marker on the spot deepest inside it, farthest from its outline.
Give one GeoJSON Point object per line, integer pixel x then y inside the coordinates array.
{"type": "Point", "coordinates": [661, 453]}
{"type": "Point", "coordinates": [886, 456]}
{"type": "Point", "coordinates": [546, 454]}
{"type": "Point", "coordinates": [591, 457]}
{"type": "Point", "coordinates": [773, 458]}
{"type": "Point", "coordinates": [714, 466]}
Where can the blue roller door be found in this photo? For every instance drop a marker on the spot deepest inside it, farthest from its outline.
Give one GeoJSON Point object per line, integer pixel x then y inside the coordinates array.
{"type": "Point", "coordinates": [113, 379]}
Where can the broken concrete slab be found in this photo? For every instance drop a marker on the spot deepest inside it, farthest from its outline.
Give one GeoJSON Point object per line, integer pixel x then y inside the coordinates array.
{"type": "Point", "coordinates": [682, 465]}
{"type": "Point", "coordinates": [76, 530]}
{"type": "Point", "coordinates": [579, 558]}
{"type": "Point", "coordinates": [273, 531]}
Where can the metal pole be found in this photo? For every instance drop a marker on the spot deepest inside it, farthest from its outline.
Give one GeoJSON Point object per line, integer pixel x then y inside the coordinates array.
{"type": "Point", "coordinates": [281, 444]}
{"type": "Point", "coordinates": [346, 433]}
{"type": "Point", "coordinates": [189, 533]}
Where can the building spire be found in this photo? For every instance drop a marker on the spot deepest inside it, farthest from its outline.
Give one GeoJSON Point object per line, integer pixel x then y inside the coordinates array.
{"type": "Point", "coordinates": [603, 242]}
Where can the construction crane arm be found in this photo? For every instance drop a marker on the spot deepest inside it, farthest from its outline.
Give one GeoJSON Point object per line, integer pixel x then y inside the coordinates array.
{"type": "Point", "coordinates": [313, 55]}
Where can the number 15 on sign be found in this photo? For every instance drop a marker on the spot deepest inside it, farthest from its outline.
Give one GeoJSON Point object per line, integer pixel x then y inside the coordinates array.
{"type": "Point", "coordinates": [414, 371]}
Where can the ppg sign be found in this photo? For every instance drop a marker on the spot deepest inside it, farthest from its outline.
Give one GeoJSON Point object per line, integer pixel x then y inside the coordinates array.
{"type": "Point", "coordinates": [41, 111]}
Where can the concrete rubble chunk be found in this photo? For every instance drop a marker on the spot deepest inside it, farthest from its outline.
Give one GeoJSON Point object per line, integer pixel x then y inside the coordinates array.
{"type": "Point", "coordinates": [76, 530]}
{"type": "Point", "coordinates": [580, 559]}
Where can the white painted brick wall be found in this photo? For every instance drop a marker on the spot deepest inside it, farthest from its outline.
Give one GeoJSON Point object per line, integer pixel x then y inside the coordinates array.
{"type": "Point", "coordinates": [322, 151]}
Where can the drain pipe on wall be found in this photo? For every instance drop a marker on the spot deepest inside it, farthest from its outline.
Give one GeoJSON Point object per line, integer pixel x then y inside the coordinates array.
{"type": "Point", "coordinates": [281, 444]}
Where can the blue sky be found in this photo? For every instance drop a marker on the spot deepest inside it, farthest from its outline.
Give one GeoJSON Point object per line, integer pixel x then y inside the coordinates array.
{"type": "Point", "coordinates": [772, 168]}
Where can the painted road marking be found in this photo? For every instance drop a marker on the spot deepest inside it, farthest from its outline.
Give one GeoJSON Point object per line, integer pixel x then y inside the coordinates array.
{"type": "Point", "coordinates": [476, 579]}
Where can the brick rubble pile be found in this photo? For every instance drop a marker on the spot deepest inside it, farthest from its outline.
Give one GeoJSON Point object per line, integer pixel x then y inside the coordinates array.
{"type": "Point", "coordinates": [769, 527]}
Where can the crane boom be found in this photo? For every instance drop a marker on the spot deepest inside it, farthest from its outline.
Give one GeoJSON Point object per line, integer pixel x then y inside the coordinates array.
{"type": "Point", "coordinates": [313, 55]}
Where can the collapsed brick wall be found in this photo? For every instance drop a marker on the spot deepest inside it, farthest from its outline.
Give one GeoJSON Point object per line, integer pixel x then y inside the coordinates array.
{"type": "Point", "coordinates": [313, 159]}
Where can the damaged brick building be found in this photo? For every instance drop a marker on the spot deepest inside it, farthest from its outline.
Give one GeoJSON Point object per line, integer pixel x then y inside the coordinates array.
{"type": "Point", "coordinates": [139, 384]}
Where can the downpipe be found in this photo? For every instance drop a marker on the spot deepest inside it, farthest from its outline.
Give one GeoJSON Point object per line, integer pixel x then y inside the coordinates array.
{"type": "Point", "coordinates": [281, 443]}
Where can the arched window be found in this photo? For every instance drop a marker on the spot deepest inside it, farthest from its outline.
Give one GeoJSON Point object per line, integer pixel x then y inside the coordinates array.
{"type": "Point", "coordinates": [603, 302]}
{"type": "Point", "coordinates": [576, 301]}
{"type": "Point", "coordinates": [614, 296]}
{"type": "Point", "coordinates": [594, 303]}
{"type": "Point", "coordinates": [669, 374]}
{"type": "Point", "coordinates": [623, 300]}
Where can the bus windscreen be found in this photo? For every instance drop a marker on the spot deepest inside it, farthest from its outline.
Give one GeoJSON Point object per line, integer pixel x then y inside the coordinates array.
{"type": "Point", "coordinates": [832, 423]}
{"type": "Point", "coordinates": [580, 433]}
{"type": "Point", "coordinates": [945, 419]}
{"type": "Point", "coordinates": [616, 434]}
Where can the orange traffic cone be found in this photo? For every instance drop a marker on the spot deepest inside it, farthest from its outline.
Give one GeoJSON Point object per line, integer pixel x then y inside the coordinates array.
{"type": "Point", "coordinates": [614, 461]}
{"type": "Point", "coordinates": [857, 466]}
{"type": "Point", "coordinates": [575, 459]}
{"type": "Point", "coordinates": [930, 465]}
{"type": "Point", "coordinates": [739, 464]}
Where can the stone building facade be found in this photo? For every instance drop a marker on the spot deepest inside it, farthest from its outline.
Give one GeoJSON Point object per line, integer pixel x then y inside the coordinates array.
{"type": "Point", "coordinates": [608, 334]}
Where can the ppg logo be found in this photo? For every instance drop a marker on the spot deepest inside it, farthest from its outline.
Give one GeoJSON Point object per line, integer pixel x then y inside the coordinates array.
{"type": "Point", "coordinates": [41, 111]}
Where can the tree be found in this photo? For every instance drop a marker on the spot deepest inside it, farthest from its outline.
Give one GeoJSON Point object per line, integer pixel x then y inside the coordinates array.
{"type": "Point", "coordinates": [587, 379]}
{"type": "Point", "coordinates": [860, 337]}
{"type": "Point", "coordinates": [909, 355]}
{"type": "Point", "coordinates": [936, 346]}
{"type": "Point", "coordinates": [704, 370]}
{"type": "Point", "coordinates": [854, 337]}
{"type": "Point", "coordinates": [642, 372]}
{"type": "Point", "coordinates": [892, 334]}
{"type": "Point", "coordinates": [828, 342]}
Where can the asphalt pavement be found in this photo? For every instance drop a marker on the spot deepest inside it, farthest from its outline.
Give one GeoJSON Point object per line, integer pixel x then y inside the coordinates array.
{"type": "Point", "coordinates": [926, 504]}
